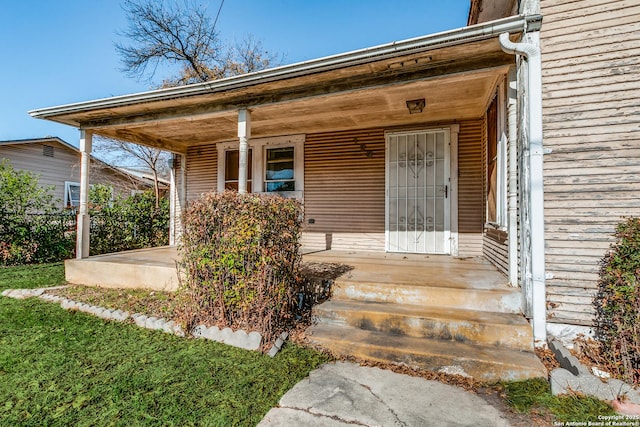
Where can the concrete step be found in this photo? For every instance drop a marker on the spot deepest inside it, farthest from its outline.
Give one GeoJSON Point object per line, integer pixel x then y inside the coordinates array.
{"type": "Point", "coordinates": [465, 326]}
{"type": "Point", "coordinates": [428, 292]}
{"type": "Point", "coordinates": [484, 363]}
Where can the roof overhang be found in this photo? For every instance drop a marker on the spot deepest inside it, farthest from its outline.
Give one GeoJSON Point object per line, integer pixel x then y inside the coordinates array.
{"type": "Point", "coordinates": [455, 71]}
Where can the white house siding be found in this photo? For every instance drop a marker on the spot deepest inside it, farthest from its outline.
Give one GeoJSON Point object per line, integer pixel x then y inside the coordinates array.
{"type": "Point", "coordinates": [591, 87]}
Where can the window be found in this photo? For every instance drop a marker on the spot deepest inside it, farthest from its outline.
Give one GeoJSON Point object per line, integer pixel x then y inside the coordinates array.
{"type": "Point", "coordinates": [71, 194]}
{"type": "Point", "coordinates": [275, 164]}
{"type": "Point", "coordinates": [279, 174]}
{"type": "Point", "coordinates": [231, 169]}
{"type": "Point", "coordinates": [492, 163]}
{"type": "Point", "coordinates": [496, 161]}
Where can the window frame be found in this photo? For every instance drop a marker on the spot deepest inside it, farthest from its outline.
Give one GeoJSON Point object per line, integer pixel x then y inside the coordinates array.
{"type": "Point", "coordinates": [501, 163]}
{"type": "Point", "coordinates": [258, 168]}
{"type": "Point", "coordinates": [67, 194]}
{"type": "Point", "coordinates": [266, 164]}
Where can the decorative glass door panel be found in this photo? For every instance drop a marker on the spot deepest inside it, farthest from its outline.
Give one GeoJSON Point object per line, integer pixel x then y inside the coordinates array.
{"type": "Point", "coordinates": [418, 192]}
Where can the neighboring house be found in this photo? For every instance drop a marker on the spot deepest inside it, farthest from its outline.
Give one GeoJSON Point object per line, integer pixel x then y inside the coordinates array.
{"type": "Point", "coordinates": [146, 177]}
{"type": "Point", "coordinates": [431, 145]}
{"type": "Point", "coordinates": [57, 164]}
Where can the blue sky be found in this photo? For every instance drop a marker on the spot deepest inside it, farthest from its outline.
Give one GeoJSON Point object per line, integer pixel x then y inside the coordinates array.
{"type": "Point", "coordinates": [60, 52]}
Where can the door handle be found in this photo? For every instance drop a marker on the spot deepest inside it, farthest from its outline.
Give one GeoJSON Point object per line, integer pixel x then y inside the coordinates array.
{"type": "Point", "coordinates": [446, 191]}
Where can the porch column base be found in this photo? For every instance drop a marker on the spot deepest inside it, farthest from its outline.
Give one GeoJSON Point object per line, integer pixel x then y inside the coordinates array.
{"type": "Point", "coordinates": [82, 237]}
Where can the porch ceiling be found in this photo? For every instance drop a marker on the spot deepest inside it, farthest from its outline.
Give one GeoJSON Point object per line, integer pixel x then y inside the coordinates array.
{"type": "Point", "coordinates": [456, 81]}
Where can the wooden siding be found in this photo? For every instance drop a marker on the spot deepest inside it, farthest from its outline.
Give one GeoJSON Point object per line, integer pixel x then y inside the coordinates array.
{"type": "Point", "coordinates": [591, 81]}
{"type": "Point", "coordinates": [495, 244]}
{"type": "Point", "coordinates": [470, 188]}
{"type": "Point", "coordinates": [52, 171]}
{"type": "Point", "coordinates": [202, 166]}
{"type": "Point", "coordinates": [62, 164]}
{"type": "Point", "coordinates": [496, 249]}
{"type": "Point", "coordinates": [344, 188]}
{"type": "Point", "coordinates": [344, 193]}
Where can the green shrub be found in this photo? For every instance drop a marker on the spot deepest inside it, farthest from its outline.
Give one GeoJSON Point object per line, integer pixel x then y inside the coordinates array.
{"type": "Point", "coordinates": [32, 228]}
{"type": "Point", "coordinates": [239, 262]}
{"type": "Point", "coordinates": [617, 302]}
{"type": "Point", "coordinates": [126, 223]}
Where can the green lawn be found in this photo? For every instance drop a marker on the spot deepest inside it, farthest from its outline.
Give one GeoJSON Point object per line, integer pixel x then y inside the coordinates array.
{"type": "Point", "coordinates": [68, 368]}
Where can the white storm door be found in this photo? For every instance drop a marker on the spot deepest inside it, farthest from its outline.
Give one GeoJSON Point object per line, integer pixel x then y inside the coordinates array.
{"type": "Point", "coordinates": [418, 200]}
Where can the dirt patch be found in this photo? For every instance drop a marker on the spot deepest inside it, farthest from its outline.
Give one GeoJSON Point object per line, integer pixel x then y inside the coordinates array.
{"type": "Point", "coordinates": [151, 303]}
{"type": "Point", "coordinates": [317, 280]}
{"type": "Point", "coordinates": [547, 358]}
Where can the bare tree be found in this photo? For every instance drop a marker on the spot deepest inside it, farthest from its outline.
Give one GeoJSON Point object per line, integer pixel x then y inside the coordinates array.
{"type": "Point", "coordinates": [183, 35]}
{"type": "Point", "coordinates": [128, 154]}
{"type": "Point", "coordinates": [248, 56]}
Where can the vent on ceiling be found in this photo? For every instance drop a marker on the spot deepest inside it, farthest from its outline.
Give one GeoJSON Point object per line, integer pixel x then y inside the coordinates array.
{"type": "Point", "coordinates": [47, 150]}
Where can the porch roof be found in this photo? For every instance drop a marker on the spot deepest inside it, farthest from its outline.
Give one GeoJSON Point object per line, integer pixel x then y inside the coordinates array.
{"type": "Point", "coordinates": [455, 71]}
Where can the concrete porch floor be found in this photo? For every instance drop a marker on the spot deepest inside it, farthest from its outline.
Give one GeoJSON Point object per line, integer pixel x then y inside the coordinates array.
{"type": "Point", "coordinates": [155, 268]}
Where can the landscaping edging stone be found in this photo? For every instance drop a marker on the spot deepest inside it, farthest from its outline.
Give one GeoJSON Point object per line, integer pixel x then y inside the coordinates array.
{"type": "Point", "coordinates": [574, 377]}
{"type": "Point", "coordinates": [240, 338]}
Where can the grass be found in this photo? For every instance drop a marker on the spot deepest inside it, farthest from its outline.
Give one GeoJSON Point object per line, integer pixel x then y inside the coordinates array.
{"type": "Point", "coordinates": [68, 368]}
{"type": "Point", "coordinates": [535, 395]}
{"type": "Point", "coordinates": [32, 276]}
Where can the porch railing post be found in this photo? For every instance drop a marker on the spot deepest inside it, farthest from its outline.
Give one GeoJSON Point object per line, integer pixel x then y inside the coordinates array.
{"type": "Point", "coordinates": [82, 232]}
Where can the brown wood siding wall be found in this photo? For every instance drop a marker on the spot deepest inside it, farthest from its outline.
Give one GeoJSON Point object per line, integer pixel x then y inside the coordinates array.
{"type": "Point", "coordinates": [202, 170]}
{"type": "Point", "coordinates": [591, 81]}
{"type": "Point", "coordinates": [344, 190]}
{"type": "Point", "coordinates": [470, 187]}
{"type": "Point", "coordinates": [494, 242]}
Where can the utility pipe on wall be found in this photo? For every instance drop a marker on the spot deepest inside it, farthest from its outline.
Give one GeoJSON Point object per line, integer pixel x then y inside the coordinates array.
{"type": "Point", "coordinates": [531, 51]}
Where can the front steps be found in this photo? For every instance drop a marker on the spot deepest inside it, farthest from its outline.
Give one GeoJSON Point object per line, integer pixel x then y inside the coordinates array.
{"type": "Point", "coordinates": [433, 321]}
{"type": "Point", "coordinates": [448, 324]}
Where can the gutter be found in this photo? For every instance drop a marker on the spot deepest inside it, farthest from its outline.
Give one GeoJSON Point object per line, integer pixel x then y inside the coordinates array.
{"type": "Point", "coordinates": [478, 32]}
{"type": "Point", "coordinates": [531, 51]}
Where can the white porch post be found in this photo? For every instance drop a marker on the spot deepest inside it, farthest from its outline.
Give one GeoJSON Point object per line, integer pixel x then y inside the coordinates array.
{"type": "Point", "coordinates": [82, 234]}
{"type": "Point", "coordinates": [173, 196]}
{"type": "Point", "coordinates": [244, 133]}
{"type": "Point", "coordinates": [178, 191]}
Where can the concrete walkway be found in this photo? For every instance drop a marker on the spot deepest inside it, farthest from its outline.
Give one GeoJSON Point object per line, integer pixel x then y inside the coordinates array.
{"type": "Point", "coordinates": [345, 394]}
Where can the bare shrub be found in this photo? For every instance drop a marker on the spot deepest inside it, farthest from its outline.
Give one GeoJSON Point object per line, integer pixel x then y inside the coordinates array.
{"type": "Point", "coordinates": [240, 262]}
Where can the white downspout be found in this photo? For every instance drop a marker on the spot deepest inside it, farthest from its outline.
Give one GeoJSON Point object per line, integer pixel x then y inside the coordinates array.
{"type": "Point", "coordinates": [513, 176]}
{"type": "Point", "coordinates": [531, 51]}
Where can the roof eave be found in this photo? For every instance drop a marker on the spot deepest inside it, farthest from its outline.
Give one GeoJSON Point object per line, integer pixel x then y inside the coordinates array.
{"type": "Point", "coordinates": [518, 23]}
